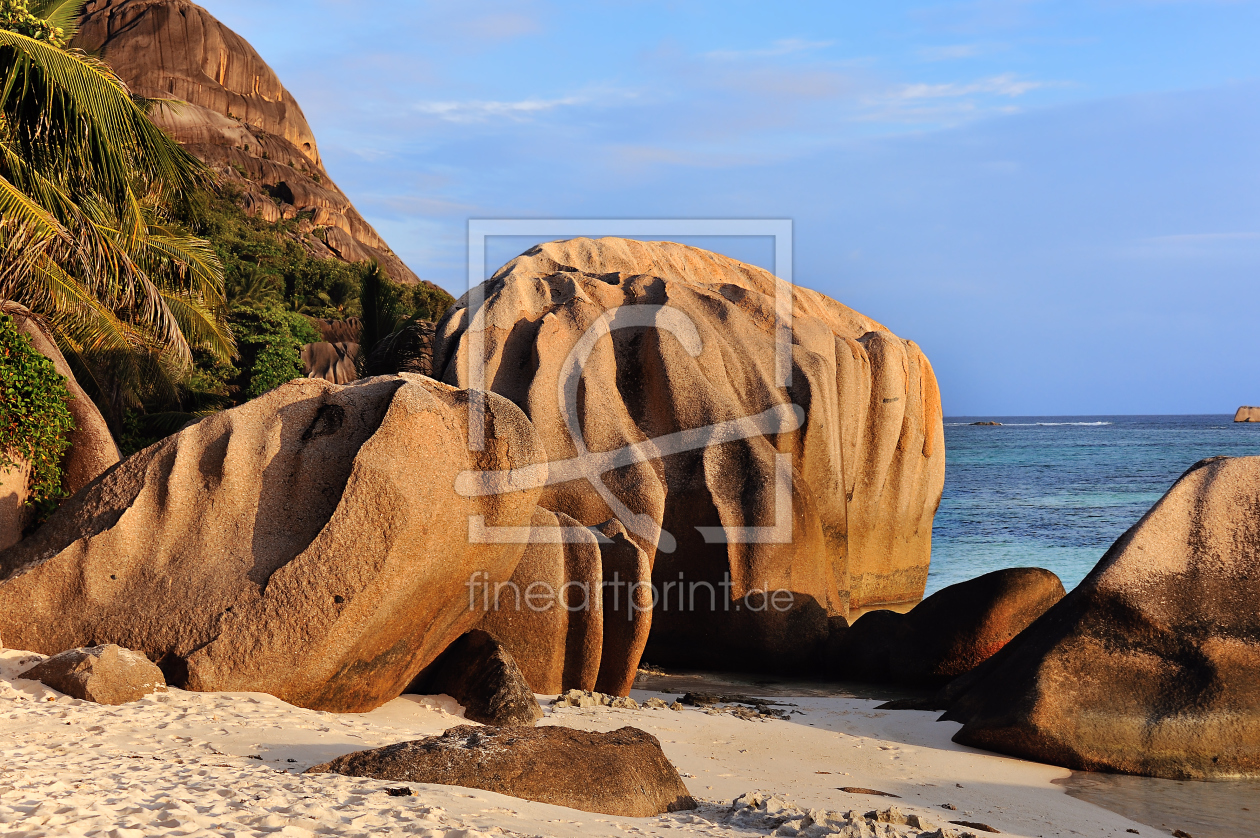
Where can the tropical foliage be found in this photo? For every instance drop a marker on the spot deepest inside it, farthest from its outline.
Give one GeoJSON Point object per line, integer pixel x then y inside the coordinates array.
{"type": "Point", "coordinates": [87, 182]}
{"type": "Point", "coordinates": [35, 421]}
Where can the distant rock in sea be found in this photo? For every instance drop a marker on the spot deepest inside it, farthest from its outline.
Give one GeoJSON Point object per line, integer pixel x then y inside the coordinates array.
{"type": "Point", "coordinates": [1247, 414]}
{"type": "Point", "coordinates": [235, 115]}
{"type": "Point", "coordinates": [840, 473]}
{"type": "Point", "coordinates": [990, 424]}
{"type": "Point", "coordinates": [1152, 664]}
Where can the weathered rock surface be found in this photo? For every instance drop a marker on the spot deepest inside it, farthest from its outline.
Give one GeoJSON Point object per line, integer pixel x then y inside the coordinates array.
{"type": "Point", "coordinates": [951, 632]}
{"type": "Point", "coordinates": [479, 672]}
{"type": "Point", "coordinates": [410, 349]}
{"type": "Point", "coordinates": [623, 773]}
{"type": "Point", "coordinates": [1247, 414]}
{"type": "Point", "coordinates": [846, 511]}
{"type": "Point", "coordinates": [1152, 664]}
{"type": "Point", "coordinates": [92, 449]}
{"type": "Point", "coordinates": [238, 114]}
{"type": "Point", "coordinates": [309, 544]}
{"type": "Point", "coordinates": [577, 611]}
{"type": "Point", "coordinates": [105, 674]}
{"type": "Point", "coordinates": [332, 362]}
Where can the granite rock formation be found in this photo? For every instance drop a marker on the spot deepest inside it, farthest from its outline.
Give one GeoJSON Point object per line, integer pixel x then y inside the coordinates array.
{"type": "Point", "coordinates": [622, 773]}
{"type": "Point", "coordinates": [331, 362]}
{"type": "Point", "coordinates": [1247, 414]}
{"type": "Point", "coordinates": [1152, 664]}
{"type": "Point", "coordinates": [103, 674]}
{"type": "Point", "coordinates": [410, 349]}
{"type": "Point", "coordinates": [235, 115]}
{"type": "Point", "coordinates": [479, 672]}
{"type": "Point", "coordinates": [842, 470]}
{"type": "Point", "coordinates": [309, 544]}
{"type": "Point", "coordinates": [92, 449]}
{"type": "Point", "coordinates": [951, 632]}
{"type": "Point", "coordinates": [577, 611]}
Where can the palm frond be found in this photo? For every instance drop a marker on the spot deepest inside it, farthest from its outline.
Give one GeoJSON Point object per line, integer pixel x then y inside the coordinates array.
{"type": "Point", "coordinates": [63, 14]}
{"type": "Point", "coordinates": [72, 110]}
{"type": "Point", "coordinates": [199, 325]}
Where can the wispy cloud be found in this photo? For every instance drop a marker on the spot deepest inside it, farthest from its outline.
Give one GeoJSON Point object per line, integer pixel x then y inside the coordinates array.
{"type": "Point", "coordinates": [1006, 84]}
{"type": "Point", "coordinates": [952, 52]}
{"type": "Point", "coordinates": [480, 111]}
{"type": "Point", "coordinates": [784, 46]}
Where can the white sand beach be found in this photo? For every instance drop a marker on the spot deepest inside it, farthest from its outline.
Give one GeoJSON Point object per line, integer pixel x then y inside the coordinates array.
{"type": "Point", "coordinates": [229, 764]}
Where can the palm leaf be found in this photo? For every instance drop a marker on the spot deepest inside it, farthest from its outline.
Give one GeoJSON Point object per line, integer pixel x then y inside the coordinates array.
{"type": "Point", "coordinates": [63, 14]}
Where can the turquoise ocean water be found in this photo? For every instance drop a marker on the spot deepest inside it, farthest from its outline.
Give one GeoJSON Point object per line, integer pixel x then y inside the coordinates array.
{"type": "Point", "coordinates": [1056, 491]}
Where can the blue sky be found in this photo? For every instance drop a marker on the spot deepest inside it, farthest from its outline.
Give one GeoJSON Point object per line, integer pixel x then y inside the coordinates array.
{"type": "Point", "coordinates": [1059, 201]}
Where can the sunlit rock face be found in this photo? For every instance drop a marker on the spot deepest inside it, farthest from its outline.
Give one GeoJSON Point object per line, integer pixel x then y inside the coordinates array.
{"type": "Point", "coordinates": [236, 116]}
{"type": "Point", "coordinates": [309, 544]}
{"type": "Point", "coordinates": [824, 489]}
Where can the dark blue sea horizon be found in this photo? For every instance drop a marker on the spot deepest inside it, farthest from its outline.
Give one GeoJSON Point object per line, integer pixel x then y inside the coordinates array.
{"type": "Point", "coordinates": [1057, 491]}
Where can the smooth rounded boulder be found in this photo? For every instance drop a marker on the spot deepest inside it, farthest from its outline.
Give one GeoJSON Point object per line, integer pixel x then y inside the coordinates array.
{"type": "Point", "coordinates": [655, 375]}
{"type": "Point", "coordinates": [310, 544]}
{"type": "Point", "coordinates": [950, 633]}
{"type": "Point", "coordinates": [1152, 664]}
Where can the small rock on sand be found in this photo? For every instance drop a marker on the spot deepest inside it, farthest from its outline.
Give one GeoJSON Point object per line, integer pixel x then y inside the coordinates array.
{"type": "Point", "coordinates": [103, 674]}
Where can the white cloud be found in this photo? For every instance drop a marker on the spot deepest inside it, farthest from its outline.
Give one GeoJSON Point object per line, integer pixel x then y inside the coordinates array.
{"type": "Point", "coordinates": [1004, 85]}
{"type": "Point", "coordinates": [479, 111]}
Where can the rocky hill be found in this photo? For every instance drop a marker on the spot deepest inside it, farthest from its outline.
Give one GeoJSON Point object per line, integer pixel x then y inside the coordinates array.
{"type": "Point", "coordinates": [237, 117]}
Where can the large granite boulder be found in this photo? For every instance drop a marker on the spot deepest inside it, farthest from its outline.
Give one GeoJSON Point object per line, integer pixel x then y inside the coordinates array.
{"type": "Point", "coordinates": [838, 475]}
{"type": "Point", "coordinates": [103, 674]}
{"type": "Point", "coordinates": [479, 672]}
{"type": "Point", "coordinates": [310, 544]}
{"type": "Point", "coordinates": [92, 448]}
{"type": "Point", "coordinates": [1247, 414]}
{"type": "Point", "coordinates": [236, 116]}
{"type": "Point", "coordinates": [1152, 664]}
{"type": "Point", "coordinates": [951, 632]}
{"type": "Point", "coordinates": [623, 773]}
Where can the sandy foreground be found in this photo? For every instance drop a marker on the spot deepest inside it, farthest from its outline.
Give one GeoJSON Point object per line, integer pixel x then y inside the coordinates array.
{"type": "Point", "coordinates": [229, 764]}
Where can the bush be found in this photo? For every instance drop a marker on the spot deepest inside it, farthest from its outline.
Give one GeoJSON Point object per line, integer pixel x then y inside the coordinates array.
{"type": "Point", "coordinates": [35, 420]}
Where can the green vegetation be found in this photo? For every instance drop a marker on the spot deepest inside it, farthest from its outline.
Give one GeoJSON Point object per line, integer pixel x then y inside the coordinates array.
{"type": "Point", "coordinates": [34, 418]}
{"type": "Point", "coordinates": [87, 242]}
{"type": "Point", "coordinates": [272, 286]}
{"type": "Point", "coordinates": [166, 299]}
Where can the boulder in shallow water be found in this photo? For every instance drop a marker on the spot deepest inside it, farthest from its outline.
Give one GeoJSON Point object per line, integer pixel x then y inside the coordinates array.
{"type": "Point", "coordinates": [478, 672]}
{"type": "Point", "coordinates": [951, 632]}
{"type": "Point", "coordinates": [310, 544]}
{"type": "Point", "coordinates": [623, 773]}
{"type": "Point", "coordinates": [104, 674]}
{"type": "Point", "coordinates": [1152, 664]}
